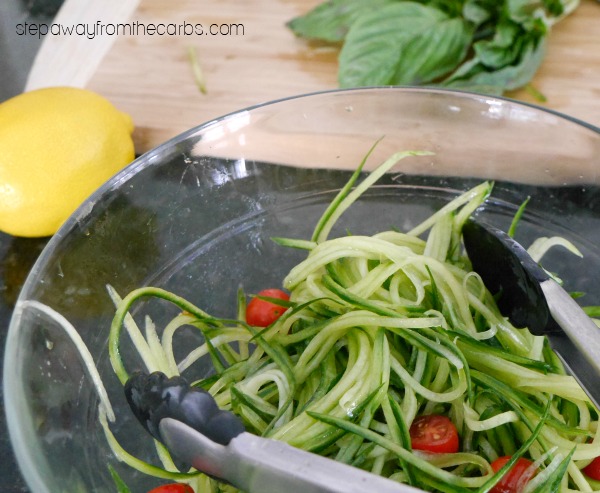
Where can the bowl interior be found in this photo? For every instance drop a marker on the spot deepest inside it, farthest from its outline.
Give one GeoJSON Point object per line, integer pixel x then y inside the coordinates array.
{"type": "Point", "coordinates": [196, 216]}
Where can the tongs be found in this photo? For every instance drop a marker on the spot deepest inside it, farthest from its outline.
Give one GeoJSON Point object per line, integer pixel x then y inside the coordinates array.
{"type": "Point", "coordinates": [199, 434]}
{"type": "Point", "coordinates": [530, 298]}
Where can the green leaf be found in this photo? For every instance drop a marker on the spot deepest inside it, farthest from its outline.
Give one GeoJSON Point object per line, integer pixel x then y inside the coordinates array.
{"type": "Point", "coordinates": [554, 7]}
{"type": "Point", "coordinates": [477, 12]}
{"type": "Point", "coordinates": [484, 46]}
{"type": "Point", "coordinates": [524, 11]}
{"type": "Point", "coordinates": [331, 20]}
{"type": "Point", "coordinates": [474, 76]}
{"type": "Point", "coordinates": [503, 49]}
{"type": "Point", "coordinates": [434, 54]}
{"type": "Point", "coordinates": [451, 7]}
{"type": "Point", "coordinates": [402, 43]}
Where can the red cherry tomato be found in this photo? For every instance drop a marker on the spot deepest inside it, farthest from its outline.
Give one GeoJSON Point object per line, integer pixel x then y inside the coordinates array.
{"type": "Point", "coordinates": [261, 313]}
{"type": "Point", "coordinates": [514, 480]}
{"type": "Point", "coordinates": [434, 433]}
{"type": "Point", "coordinates": [173, 488]}
{"type": "Point", "coordinates": [593, 469]}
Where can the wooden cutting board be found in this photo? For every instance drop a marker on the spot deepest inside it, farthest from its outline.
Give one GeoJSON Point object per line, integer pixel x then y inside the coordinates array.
{"type": "Point", "coordinates": [151, 76]}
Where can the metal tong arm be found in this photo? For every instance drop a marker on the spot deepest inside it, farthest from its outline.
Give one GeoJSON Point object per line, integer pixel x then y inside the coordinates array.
{"type": "Point", "coordinates": [575, 323]}
{"type": "Point", "coordinates": [256, 464]}
{"type": "Point", "coordinates": [581, 352]}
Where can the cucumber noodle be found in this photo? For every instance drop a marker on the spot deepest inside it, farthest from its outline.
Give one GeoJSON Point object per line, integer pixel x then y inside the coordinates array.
{"type": "Point", "coordinates": [381, 329]}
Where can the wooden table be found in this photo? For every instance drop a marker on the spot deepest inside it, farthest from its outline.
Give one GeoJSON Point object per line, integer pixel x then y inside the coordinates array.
{"type": "Point", "coordinates": [151, 77]}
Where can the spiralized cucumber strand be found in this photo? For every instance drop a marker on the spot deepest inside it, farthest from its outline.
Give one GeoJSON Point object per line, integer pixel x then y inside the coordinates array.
{"type": "Point", "coordinates": [540, 247]}
{"type": "Point", "coordinates": [474, 423]}
{"type": "Point", "coordinates": [543, 477]}
{"type": "Point", "coordinates": [366, 247]}
{"type": "Point", "coordinates": [122, 455]}
{"type": "Point", "coordinates": [86, 357]}
{"type": "Point", "coordinates": [416, 460]}
{"type": "Point", "coordinates": [136, 335]}
{"type": "Point", "coordinates": [253, 384]}
{"type": "Point", "coordinates": [380, 330]}
{"type": "Point", "coordinates": [155, 347]}
{"type": "Point", "coordinates": [333, 215]}
{"type": "Point", "coordinates": [440, 238]}
{"type": "Point", "coordinates": [203, 350]}
{"type": "Point", "coordinates": [122, 317]}
{"type": "Point", "coordinates": [423, 391]}
{"type": "Point", "coordinates": [167, 341]}
{"type": "Point", "coordinates": [475, 197]}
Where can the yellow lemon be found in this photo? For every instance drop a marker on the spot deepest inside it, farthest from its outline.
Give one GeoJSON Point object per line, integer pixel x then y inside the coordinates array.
{"type": "Point", "coordinates": [57, 145]}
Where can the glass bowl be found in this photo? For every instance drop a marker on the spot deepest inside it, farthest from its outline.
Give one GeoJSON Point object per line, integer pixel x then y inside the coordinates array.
{"type": "Point", "coordinates": [196, 216]}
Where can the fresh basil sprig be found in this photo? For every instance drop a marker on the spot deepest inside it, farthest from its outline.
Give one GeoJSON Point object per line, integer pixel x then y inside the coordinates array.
{"type": "Point", "coordinates": [488, 46]}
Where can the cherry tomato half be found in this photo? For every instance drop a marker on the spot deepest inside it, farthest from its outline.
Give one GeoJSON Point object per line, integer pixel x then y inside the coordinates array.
{"type": "Point", "coordinates": [434, 433]}
{"type": "Point", "coordinates": [593, 469]}
{"type": "Point", "coordinates": [261, 313]}
{"type": "Point", "coordinates": [173, 488]}
{"type": "Point", "coordinates": [514, 480]}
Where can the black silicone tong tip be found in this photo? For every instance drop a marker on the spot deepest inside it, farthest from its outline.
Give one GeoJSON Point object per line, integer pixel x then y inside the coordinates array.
{"type": "Point", "coordinates": [509, 272]}
{"type": "Point", "coordinates": [153, 397]}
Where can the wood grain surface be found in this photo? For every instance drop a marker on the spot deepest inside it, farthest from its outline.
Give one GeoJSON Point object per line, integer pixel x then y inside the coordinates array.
{"type": "Point", "coordinates": [151, 77]}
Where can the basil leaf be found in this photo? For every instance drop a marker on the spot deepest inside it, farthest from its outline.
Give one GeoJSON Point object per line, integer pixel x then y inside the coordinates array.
{"type": "Point", "coordinates": [554, 7]}
{"type": "Point", "coordinates": [477, 13]}
{"type": "Point", "coordinates": [474, 76]}
{"type": "Point", "coordinates": [451, 7]}
{"type": "Point", "coordinates": [402, 43]}
{"type": "Point", "coordinates": [525, 11]}
{"type": "Point", "coordinates": [522, 10]}
{"type": "Point", "coordinates": [331, 20]}
{"type": "Point", "coordinates": [434, 54]}
{"type": "Point", "coordinates": [503, 49]}
{"type": "Point", "coordinates": [487, 46]}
